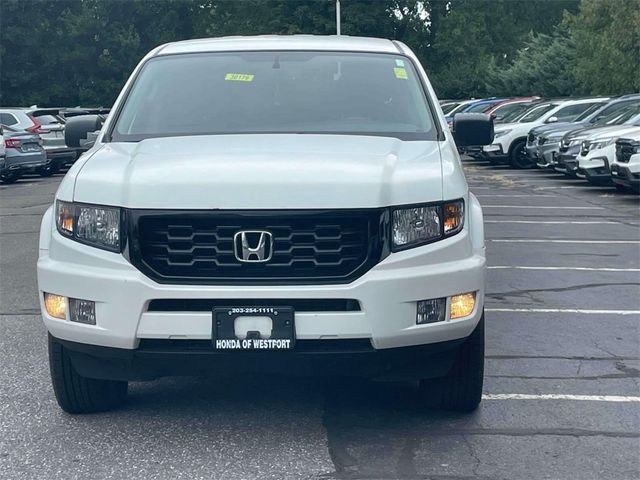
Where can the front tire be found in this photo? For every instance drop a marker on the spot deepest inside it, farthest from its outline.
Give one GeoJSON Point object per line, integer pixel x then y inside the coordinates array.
{"type": "Point", "coordinates": [518, 156]}
{"type": "Point", "coordinates": [78, 394]}
{"type": "Point", "coordinates": [461, 389]}
{"type": "Point", "coordinates": [48, 170]}
{"type": "Point", "coordinates": [9, 178]}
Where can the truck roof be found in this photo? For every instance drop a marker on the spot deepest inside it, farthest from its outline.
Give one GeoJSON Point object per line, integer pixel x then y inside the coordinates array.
{"type": "Point", "coordinates": [281, 42]}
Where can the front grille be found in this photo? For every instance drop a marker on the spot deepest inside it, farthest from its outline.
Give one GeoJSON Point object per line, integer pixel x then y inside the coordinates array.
{"type": "Point", "coordinates": [298, 304]}
{"type": "Point", "coordinates": [309, 246]}
{"type": "Point", "coordinates": [624, 149]}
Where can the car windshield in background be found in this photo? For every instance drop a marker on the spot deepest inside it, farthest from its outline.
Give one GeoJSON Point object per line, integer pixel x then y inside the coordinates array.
{"type": "Point", "coordinates": [571, 112]}
{"type": "Point", "coordinates": [447, 107]}
{"type": "Point", "coordinates": [588, 112]}
{"type": "Point", "coordinates": [511, 111]}
{"type": "Point", "coordinates": [535, 113]}
{"type": "Point", "coordinates": [48, 119]}
{"type": "Point", "coordinates": [620, 116]}
{"type": "Point", "coordinates": [276, 92]}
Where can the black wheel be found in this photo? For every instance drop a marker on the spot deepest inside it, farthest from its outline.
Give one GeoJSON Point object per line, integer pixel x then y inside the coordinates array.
{"type": "Point", "coordinates": [9, 178]}
{"type": "Point", "coordinates": [461, 389]}
{"type": "Point", "coordinates": [518, 156]}
{"type": "Point", "coordinates": [48, 170]}
{"type": "Point", "coordinates": [78, 394]}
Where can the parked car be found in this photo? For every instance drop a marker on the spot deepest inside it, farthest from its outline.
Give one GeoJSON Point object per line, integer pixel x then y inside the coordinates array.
{"type": "Point", "coordinates": [509, 145]}
{"type": "Point", "coordinates": [625, 167]}
{"type": "Point", "coordinates": [571, 142]}
{"type": "Point", "coordinates": [597, 152]}
{"type": "Point", "coordinates": [509, 109]}
{"type": "Point", "coordinates": [23, 154]}
{"type": "Point", "coordinates": [476, 106]}
{"type": "Point", "coordinates": [543, 142]}
{"type": "Point", "coordinates": [258, 208]}
{"type": "Point", "coordinates": [47, 123]}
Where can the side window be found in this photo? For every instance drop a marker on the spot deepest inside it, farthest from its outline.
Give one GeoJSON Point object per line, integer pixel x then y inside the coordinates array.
{"type": "Point", "coordinates": [8, 119]}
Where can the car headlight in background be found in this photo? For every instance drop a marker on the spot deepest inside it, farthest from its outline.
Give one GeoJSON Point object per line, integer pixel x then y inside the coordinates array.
{"type": "Point", "coordinates": [421, 224]}
{"type": "Point", "coordinates": [603, 142]}
{"type": "Point", "coordinates": [500, 133]}
{"type": "Point", "coordinates": [575, 141]}
{"type": "Point", "coordinates": [95, 225]}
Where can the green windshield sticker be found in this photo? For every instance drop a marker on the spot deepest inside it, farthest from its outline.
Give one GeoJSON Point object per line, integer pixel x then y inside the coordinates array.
{"type": "Point", "coordinates": [238, 77]}
{"type": "Point", "coordinates": [401, 73]}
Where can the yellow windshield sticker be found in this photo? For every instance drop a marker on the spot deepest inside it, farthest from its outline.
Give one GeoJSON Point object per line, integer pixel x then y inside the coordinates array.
{"type": "Point", "coordinates": [238, 77]}
{"type": "Point", "coordinates": [401, 73]}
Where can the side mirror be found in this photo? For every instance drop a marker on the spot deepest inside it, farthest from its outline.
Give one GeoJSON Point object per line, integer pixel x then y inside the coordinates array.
{"type": "Point", "coordinates": [77, 130]}
{"type": "Point", "coordinates": [472, 129]}
{"type": "Point", "coordinates": [552, 120]}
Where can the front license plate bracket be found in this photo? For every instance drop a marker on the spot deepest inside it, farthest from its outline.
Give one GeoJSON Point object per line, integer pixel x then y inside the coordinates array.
{"type": "Point", "coordinates": [223, 332]}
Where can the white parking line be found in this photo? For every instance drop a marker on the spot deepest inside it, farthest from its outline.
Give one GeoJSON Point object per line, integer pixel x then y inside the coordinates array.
{"type": "Point", "coordinates": [559, 396]}
{"type": "Point", "coordinates": [580, 269]}
{"type": "Point", "coordinates": [563, 186]}
{"type": "Point", "coordinates": [535, 195]}
{"type": "Point", "coordinates": [563, 310]}
{"type": "Point", "coordinates": [543, 240]}
{"type": "Point", "coordinates": [589, 222]}
{"type": "Point", "coordinates": [546, 207]}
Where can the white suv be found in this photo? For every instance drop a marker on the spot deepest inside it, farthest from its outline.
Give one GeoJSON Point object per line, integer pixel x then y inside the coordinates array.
{"type": "Point", "coordinates": [269, 204]}
{"type": "Point", "coordinates": [509, 145]}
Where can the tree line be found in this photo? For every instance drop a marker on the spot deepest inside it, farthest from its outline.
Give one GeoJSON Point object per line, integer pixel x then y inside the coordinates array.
{"type": "Point", "coordinates": [80, 52]}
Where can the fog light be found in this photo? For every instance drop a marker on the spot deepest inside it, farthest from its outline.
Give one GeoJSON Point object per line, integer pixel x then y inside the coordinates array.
{"type": "Point", "coordinates": [462, 305]}
{"type": "Point", "coordinates": [82, 311]}
{"type": "Point", "coordinates": [56, 305]}
{"type": "Point", "coordinates": [431, 311]}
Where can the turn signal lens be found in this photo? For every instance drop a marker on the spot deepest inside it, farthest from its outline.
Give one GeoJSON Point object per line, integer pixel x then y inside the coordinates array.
{"type": "Point", "coordinates": [56, 305]}
{"type": "Point", "coordinates": [453, 217]}
{"type": "Point", "coordinates": [462, 305]}
{"type": "Point", "coordinates": [64, 218]}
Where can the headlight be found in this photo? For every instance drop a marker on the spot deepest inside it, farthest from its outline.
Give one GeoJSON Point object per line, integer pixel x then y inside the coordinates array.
{"type": "Point", "coordinates": [501, 133]}
{"type": "Point", "coordinates": [95, 225]}
{"type": "Point", "coordinates": [423, 224]}
{"type": "Point", "coordinates": [575, 141]}
{"type": "Point", "coordinates": [601, 143]}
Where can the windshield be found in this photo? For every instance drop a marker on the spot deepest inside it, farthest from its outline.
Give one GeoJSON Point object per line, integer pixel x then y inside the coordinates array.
{"type": "Point", "coordinates": [507, 113]}
{"type": "Point", "coordinates": [587, 113]}
{"type": "Point", "coordinates": [536, 112]}
{"type": "Point", "coordinates": [620, 116]}
{"type": "Point", "coordinates": [276, 92]}
{"type": "Point", "coordinates": [480, 107]}
{"type": "Point", "coordinates": [570, 113]}
{"type": "Point", "coordinates": [447, 107]}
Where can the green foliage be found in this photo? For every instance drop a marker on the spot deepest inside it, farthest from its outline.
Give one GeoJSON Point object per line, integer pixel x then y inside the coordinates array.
{"type": "Point", "coordinates": [544, 67]}
{"type": "Point", "coordinates": [607, 38]}
{"type": "Point", "coordinates": [70, 52]}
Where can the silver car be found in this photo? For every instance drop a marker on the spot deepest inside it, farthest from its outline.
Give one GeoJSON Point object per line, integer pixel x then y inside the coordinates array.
{"type": "Point", "coordinates": [49, 124]}
{"type": "Point", "coordinates": [23, 154]}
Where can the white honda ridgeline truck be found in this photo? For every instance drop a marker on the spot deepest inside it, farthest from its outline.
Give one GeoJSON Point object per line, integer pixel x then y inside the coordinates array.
{"type": "Point", "coordinates": [289, 205]}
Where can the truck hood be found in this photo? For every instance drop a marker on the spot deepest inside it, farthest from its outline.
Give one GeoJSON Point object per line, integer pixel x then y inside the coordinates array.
{"type": "Point", "coordinates": [262, 172]}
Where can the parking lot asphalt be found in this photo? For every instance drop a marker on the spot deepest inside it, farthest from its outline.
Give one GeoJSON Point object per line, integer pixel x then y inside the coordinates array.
{"type": "Point", "coordinates": [562, 387]}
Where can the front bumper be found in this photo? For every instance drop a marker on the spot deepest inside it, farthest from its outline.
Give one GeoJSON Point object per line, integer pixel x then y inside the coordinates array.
{"type": "Point", "coordinates": [623, 175]}
{"type": "Point", "coordinates": [494, 153]}
{"type": "Point", "coordinates": [387, 296]}
{"type": "Point", "coordinates": [346, 358]}
{"type": "Point", "coordinates": [545, 155]}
